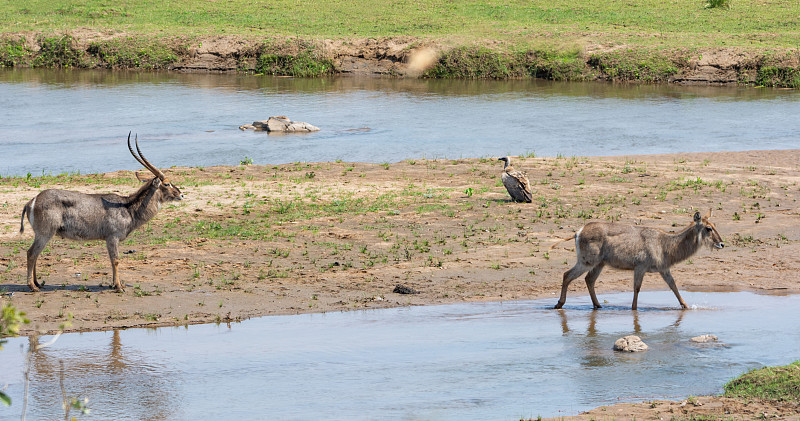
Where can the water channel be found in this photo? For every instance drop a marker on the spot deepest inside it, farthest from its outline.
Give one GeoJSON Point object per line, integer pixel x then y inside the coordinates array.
{"type": "Point", "coordinates": [68, 121]}
{"type": "Point", "coordinates": [488, 361]}
{"type": "Point", "coordinates": [469, 361]}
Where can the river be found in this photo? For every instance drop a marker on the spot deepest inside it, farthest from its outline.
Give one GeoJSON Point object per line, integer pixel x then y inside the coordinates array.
{"type": "Point", "coordinates": [57, 121]}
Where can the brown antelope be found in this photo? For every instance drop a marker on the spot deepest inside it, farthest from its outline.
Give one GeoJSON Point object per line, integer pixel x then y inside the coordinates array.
{"type": "Point", "coordinates": [639, 249]}
{"type": "Point", "coordinates": [81, 216]}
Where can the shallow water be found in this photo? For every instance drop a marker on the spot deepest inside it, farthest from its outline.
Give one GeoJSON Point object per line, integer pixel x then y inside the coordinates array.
{"type": "Point", "coordinates": [489, 361]}
{"type": "Point", "coordinates": [76, 121]}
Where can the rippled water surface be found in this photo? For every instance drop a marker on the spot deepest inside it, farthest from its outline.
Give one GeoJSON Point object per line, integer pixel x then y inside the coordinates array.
{"type": "Point", "coordinates": [488, 361]}
{"type": "Point", "coordinates": [61, 121]}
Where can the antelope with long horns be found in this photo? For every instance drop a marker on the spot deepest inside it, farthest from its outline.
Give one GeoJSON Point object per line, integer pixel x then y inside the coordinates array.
{"type": "Point", "coordinates": [639, 249]}
{"type": "Point", "coordinates": [80, 216]}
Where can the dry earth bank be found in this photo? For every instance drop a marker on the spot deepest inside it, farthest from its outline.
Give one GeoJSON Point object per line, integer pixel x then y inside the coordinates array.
{"type": "Point", "coordinates": [406, 56]}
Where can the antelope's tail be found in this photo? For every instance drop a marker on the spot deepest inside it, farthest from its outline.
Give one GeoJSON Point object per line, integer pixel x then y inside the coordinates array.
{"type": "Point", "coordinates": [561, 241]}
{"type": "Point", "coordinates": [26, 209]}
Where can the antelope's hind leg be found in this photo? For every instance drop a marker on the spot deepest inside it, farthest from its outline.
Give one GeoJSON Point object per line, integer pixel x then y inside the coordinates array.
{"type": "Point", "coordinates": [39, 243]}
{"type": "Point", "coordinates": [591, 277]}
{"type": "Point", "coordinates": [638, 279]}
{"type": "Point", "coordinates": [569, 276]}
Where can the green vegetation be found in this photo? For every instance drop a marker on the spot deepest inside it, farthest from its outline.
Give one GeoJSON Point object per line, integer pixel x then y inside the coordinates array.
{"type": "Point", "coordinates": [13, 52]}
{"type": "Point", "coordinates": [304, 64]}
{"type": "Point", "coordinates": [10, 321]}
{"type": "Point", "coordinates": [644, 65]}
{"type": "Point", "coordinates": [769, 383]}
{"type": "Point", "coordinates": [774, 71]}
{"type": "Point", "coordinates": [718, 4]}
{"type": "Point", "coordinates": [133, 52]}
{"type": "Point", "coordinates": [647, 41]}
{"type": "Point", "coordinates": [717, 23]}
{"type": "Point", "coordinates": [62, 51]}
{"type": "Point", "coordinates": [483, 63]}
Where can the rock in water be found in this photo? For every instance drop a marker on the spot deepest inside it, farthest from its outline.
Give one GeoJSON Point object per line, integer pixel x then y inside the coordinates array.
{"type": "Point", "coordinates": [280, 124]}
{"type": "Point", "coordinates": [704, 339]}
{"type": "Point", "coordinates": [630, 343]}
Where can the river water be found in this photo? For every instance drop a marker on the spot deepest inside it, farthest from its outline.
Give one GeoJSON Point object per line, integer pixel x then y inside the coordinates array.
{"type": "Point", "coordinates": [470, 361]}
{"type": "Point", "coordinates": [487, 361]}
{"type": "Point", "coordinates": [76, 121]}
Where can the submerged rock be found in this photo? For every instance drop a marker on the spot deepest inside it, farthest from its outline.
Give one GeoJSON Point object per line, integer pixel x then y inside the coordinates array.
{"type": "Point", "coordinates": [280, 124]}
{"type": "Point", "coordinates": [630, 343]}
{"type": "Point", "coordinates": [704, 339]}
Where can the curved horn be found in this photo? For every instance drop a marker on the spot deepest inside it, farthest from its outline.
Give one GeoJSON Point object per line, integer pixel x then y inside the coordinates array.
{"type": "Point", "coordinates": [134, 153]}
{"type": "Point", "coordinates": [142, 160]}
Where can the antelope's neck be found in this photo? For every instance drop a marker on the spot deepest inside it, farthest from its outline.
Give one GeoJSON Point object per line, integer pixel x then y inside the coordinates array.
{"type": "Point", "coordinates": [682, 245]}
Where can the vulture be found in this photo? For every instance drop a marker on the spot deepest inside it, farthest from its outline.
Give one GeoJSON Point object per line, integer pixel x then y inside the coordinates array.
{"type": "Point", "coordinates": [516, 182]}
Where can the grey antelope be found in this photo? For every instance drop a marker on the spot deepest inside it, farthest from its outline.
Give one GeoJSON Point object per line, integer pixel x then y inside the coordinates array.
{"type": "Point", "coordinates": [81, 216]}
{"type": "Point", "coordinates": [639, 249]}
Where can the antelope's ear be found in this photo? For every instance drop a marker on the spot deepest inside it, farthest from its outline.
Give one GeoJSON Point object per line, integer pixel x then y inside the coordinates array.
{"type": "Point", "coordinates": [143, 178]}
{"type": "Point", "coordinates": [697, 217]}
{"type": "Point", "coordinates": [708, 215]}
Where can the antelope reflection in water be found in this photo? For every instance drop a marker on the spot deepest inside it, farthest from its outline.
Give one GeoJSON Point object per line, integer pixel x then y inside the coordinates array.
{"type": "Point", "coordinates": [112, 379]}
{"type": "Point", "coordinates": [596, 344]}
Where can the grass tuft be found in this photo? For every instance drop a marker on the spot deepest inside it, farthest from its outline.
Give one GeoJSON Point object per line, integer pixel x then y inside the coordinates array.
{"type": "Point", "coordinates": [136, 53]}
{"type": "Point", "coordinates": [13, 52]}
{"type": "Point", "coordinates": [58, 52]}
{"type": "Point", "coordinates": [769, 383]}
{"type": "Point", "coordinates": [638, 65]}
{"type": "Point", "coordinates": [718, 4]}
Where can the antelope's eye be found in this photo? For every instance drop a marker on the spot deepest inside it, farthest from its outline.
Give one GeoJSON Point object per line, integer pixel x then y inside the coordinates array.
{"type": "Point", "coordinates": [709, 229]}
{"type": "Point", "coordinates": [167, 185]}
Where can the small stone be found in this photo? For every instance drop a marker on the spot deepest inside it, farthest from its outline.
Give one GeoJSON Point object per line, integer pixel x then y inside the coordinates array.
{"type": "Point", "coordinates": [402, 289]}
{"type": "Point", "coordinates": [704, 339]}
{"type": "Point", "coordinates": [630, 343]}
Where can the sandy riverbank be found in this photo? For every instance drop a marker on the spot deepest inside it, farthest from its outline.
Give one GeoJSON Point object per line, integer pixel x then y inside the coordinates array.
{"type": "Point", "coordinates": [259, 240]}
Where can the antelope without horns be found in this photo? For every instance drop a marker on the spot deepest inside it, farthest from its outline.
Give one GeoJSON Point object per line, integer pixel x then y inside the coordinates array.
{"type": "Point", "coordinates": [639, 249]}
{"type": "Point", "coordinates": [80, 216]}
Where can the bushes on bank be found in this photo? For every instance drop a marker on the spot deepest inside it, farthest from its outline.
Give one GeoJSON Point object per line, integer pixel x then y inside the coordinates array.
{"type": "Point", "coordinates": [301, 58]}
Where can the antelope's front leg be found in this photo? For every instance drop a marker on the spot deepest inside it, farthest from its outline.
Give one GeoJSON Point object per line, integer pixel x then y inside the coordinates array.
{"type": "Point", "coordinates": [113, 255]}
{"type": "Point", "coordinates": [638, 278]}
{"type": "Point", "coordinates": [671, 283]}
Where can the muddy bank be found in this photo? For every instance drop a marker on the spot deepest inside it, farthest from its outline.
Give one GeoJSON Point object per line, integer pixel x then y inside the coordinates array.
{"type": "Point", "coordinates": [316, 237]}
{"type": "Point", "coordinates": [400, 57]}
{"type": "Point", "coordinates": [696, 407]}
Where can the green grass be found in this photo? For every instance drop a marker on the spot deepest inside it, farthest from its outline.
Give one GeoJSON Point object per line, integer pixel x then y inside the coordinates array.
{"type": "Point", "coordinates": [645, 40]}
{"type": "Point", "coordinates": [769, 383]}
{"type": "Point", "coordinates": [653, 23]}
{"type": "Point", "coordinates": [133, 52]}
